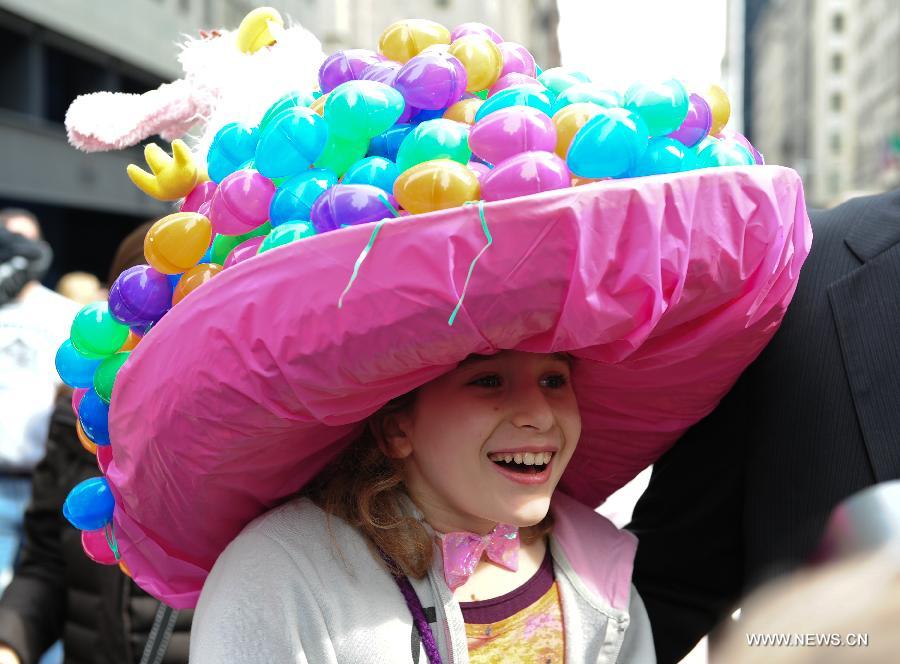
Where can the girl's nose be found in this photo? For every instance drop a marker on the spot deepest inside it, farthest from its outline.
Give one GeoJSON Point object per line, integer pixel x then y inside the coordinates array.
{"type": "Point", "coordinates": [532, 409]}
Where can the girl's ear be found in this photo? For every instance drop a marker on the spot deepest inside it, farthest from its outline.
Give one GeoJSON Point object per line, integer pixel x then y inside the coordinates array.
{"type": "Point", "coordinates": [392, 438]}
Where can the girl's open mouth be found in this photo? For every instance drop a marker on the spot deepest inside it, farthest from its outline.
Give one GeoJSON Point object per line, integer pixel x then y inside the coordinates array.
{"type": "Point", "coordinates": [524, 463]}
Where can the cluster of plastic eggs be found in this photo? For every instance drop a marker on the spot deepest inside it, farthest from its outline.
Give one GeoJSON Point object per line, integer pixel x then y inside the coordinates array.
{"type": "Point", "coordinates": [434, 119]}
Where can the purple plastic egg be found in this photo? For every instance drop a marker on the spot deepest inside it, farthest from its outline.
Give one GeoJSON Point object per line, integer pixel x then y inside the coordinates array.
{"type": "Point", "coordinates": [432, 81]}
{"type": "Point", "coordinates": [510, 131]}
{"type": "Point", "coordinates": [696, 124]}
{"type": "Point", "coordinates": [475, 28]}
{"type": "Point", "coordinates": [199, 195]}
{"type": "Point", "coordinates": [140, 296]}
{"type": "Point", "coordinates": [511, 79]}
{"type": "Point", "coordinates": [241, 203]}
{"type": "Point", "coordinates": [525, 174]}
{"type": "Point", "coordinates": [350, 205]}
{"type": "Point", "coordinates": [246, 249]}
{"type": "Point", "coordinates": [345, 66]}
{"type": "Point", "coordinates": [516, 59]}
{"type": "Point", "coordinates": [386, 72]}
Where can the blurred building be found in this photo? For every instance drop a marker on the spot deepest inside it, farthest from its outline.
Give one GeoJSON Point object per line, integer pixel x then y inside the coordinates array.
{"type": "Point", "coordinates": [737, 70]}
{"type": "Point", "coordinates": [826, 93]}
{"type": "Point", "coordinates": [343, 24]}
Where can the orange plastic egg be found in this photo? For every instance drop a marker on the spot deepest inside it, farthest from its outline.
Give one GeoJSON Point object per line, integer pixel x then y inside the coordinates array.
{"type": "Point", "coordinates": [193, 279]}
{"type": "Point", "coordinates": [131, 342]}
{"type": "Point", "coordinates": [436, 185]}
{"type": "Point", "coordinates": [175, 243]}
{"type": "Point", "coordinates": [124, 568]}
{"type": "Point", "coordinates": [482, 59]}
{"type": "Point", "coordinates": [318, 106]}
{"type": "Point", "coordinates": [86, 442]}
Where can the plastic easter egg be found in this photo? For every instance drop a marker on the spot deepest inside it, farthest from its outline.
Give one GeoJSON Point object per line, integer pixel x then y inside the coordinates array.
{"type": "Point", "coordinates": [662, 106]}
{"type": "Point", "coordinates": [464, 110]}
{"type": "Point", "coordinates": [199, 195]}
{"type": "Point", "coordinates": [475, 28]}
{"type": "Point", "coordinates": [432, 81]}
{"type": "Point", "coordinates": [384, 71]}
{"type": "Point", "coordinates": [376, 171]}
{"type": "Point", "coordinates": [74, 369]}
{"type": "Point", "coordinates": [730, 134]}
{"type": "Point", "coordinates": [346, 65]}
{"type": "Point", "coordinates": [178, 241]}
{"type": "Point", "coordinates": [104, 457]}
{"type": "Point", "coordinates": [341, 153]}
{"type": "Point", "coordinates": [719, 106]}
{"type": "Point", "coordinates": [524, 174]}
{"type": "Point", "coordinates": [232, 145]}
{"type": "Point", "coordinates": [97, 548]}
{"type": "Point", "coordinates": [193, 279]}
{"type": "Point", "coordinates": [696, 124]}
{"type": "Point", "coordinates": [89, 506]}
{"type": "Point", "coordinates": [587, 92]}
{"type": "Point", "coordinates": [559, 79]}
{"type": "Point", "coordinates": [93, 413]}
{"type": "Point", "coordinates": [663, 155]}
{"type": "Point", "coordinates": [77, 394]}
{"type": "Point", "coordinates": [86, 443]}
{"type": "Point", "coordinates": [240, 204]}
{"type": "Point", "coordinates": [255, 30]}
{"type": "Point", "coordinates": [516, 59]}
{"type": "Point", "coordinates": [105, 376]}
{"type": "Point", "coordinates": [424, 115]}
{"type": "Point", "coordinates": [510, 131]}
{"type": "Point", "coordinates": [223, 244]}
{"type": "Point", "coordinates": [285, 103]}
{"type": "Point", "coordinates": [285, 234]}
{"type": "Point", "coordinates": [388, 143]}
{"type": "Point", "coordinates": [131, 342]}
{"type": "Point", "coordinates": [95, 333]}
{"type": "Point", "coordinates": [724, 153]}
{"type": "Point", "coordinates": [480, 169]}
{"type": "Point", "coordinates": [436, 185]}
{"type": "Point", "coordinates": [349, 205]}
{"type": "Point", "coordinates": [517, 95]}
{"type": "Point", "coordinates": [514, 79]}
{"type": "Point", "coordinates": [294, 200]}
{"type": "Point", "coordinates": [318, 105]}
{"type": "Point", "coordinates": [362, 109]}
{"type": "Point", "coordinates": [290, 143]}
{"type": "Point", "coordinates": [608, 145]}
{"type": "Point", "coordinates": [246, 249]}
{"type": "Point", "coordinates": [403, 40]}
{"type": "Point", "coordinates": [481, 58]}
{"type": "Point", "coordinates": [435, 139]}
{"type": "Point", "coordinates": [140, 295]}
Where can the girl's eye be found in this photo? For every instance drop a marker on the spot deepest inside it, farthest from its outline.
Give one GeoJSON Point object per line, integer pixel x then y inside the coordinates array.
{"type": "Point", "coordinates": [557, 381]}
{"type": "Point", "coordinates": [488, 381]}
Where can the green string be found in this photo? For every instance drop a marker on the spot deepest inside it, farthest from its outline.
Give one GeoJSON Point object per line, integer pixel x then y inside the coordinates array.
{"type": "Point", "coordinates": [111, 541]}
{"type": "Point", "coordinates": [490, 241]}
{"type": "Point", "coordinates": [365, 252]}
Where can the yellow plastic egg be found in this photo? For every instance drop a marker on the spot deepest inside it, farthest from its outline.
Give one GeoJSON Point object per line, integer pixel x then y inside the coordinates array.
{"type": "Point", "coordinates": [481, 58]}
{"type": "Point", "coordinates": [254, 31]}
{"type": "Point", "coordinates": [720, 106]}
{"type": "Point", "coordinates": [436, 185]}
{"type": "Point", "coordinates": [403, 40]}
{"type": "Point", "coordinates": [464, 110]}
{"type": "Point", "coordinates": [175, 243]}
{"type": "Point", "coordinates": [193, 279]}
{"type": "Point", "coordinates": [318, 106]}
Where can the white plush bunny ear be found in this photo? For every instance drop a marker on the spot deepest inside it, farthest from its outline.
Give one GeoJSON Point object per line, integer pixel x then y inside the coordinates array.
{"type": "Point", "coordinates": [114, 120]}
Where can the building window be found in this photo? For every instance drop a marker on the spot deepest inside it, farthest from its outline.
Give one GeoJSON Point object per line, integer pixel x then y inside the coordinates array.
{"type": "Point", "coordinates": [837, 101]}
{"type": "Point", "coordinates": [837, 22]}
{"type": "Point", "coordinates": [837, 62]}
{"type": "Point", "coordinates": [835, 143]}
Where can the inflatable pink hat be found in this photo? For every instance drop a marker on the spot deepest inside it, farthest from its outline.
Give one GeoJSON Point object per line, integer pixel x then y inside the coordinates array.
{"type": "Point", "coordinates": [663, 289]}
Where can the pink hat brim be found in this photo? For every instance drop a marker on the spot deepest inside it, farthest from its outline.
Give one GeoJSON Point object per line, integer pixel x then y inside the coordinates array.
{"type": "Point", "coordinates": [663, 288]}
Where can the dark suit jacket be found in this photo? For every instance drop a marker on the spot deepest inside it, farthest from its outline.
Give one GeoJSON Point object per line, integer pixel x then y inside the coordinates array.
{"type": "Point", "coordinates": [745, 494]}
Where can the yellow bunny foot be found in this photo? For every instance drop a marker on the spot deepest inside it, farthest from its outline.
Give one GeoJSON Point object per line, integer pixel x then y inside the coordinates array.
{"type": "Point", "coordinates": [172, 177]}
{"type": "Point", "coordinates": [254, 32]}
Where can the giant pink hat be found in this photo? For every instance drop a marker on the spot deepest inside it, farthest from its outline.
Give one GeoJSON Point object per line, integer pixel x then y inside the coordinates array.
{"type": "Point", "coordinates": [662, 288]}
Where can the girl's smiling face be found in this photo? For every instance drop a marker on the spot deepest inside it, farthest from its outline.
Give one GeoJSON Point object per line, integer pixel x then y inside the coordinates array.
{"type": "Point", "coordinates": [488, 442]}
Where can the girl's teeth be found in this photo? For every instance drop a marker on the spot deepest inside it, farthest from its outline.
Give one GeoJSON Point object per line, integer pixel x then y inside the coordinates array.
{"type": "Point", "coordinates": [508, 458]}
{"type": "Point", "coordinates": [528, 459]}
{"type": "Point", "coordinates": [517, 457]}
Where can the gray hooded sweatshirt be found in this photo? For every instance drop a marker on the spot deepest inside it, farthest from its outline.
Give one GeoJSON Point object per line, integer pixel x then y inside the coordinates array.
{"type": "Point", "coordinates": [296, 586]}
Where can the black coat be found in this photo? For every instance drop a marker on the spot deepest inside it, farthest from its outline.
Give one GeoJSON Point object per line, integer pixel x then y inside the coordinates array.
{"type": "Point", "coordinates": [746, 493]}
{"type": "Point", "coordinates": [57, 592]}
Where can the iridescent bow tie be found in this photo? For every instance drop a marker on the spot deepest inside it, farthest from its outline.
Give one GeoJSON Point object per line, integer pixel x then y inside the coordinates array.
{"type": "Point", "coordinates": [462, 551]}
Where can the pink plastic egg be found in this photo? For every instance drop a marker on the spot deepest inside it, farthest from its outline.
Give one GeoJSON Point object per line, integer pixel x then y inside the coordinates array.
{"type": "Point", "coordinates": [246, 249]}
{"type": "Point", "coordinates": [96, 547]}
{"type": "Point", "coordinates": [241, 203]}
{"type": "Point", "coordinates": [525, 174]}
{"type": "Point", "coordinates": [511, 79]}
{"type": "Point", "coordinates": [199, 195]}
{"type": "Point", "coordinates": [104, 457]}
{"type": "Point", "coordinates": [510, 131]}
{"type": "Point", "coordinates": [516, 58]}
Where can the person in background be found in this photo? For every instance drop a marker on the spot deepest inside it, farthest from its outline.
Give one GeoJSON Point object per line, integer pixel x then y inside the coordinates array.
{"type": "Point", "coordinates": [746, 493]}
{"type": "Point", "coordinates": [81, 287]}
{"type": "Point", "coordinates": [34, 321]}
{"type": "Point", "coordinates": [101, 616]}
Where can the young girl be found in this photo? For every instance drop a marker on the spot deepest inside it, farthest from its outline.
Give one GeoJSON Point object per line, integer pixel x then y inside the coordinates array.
{"type": "Point", "coordinates": [472, 457]}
